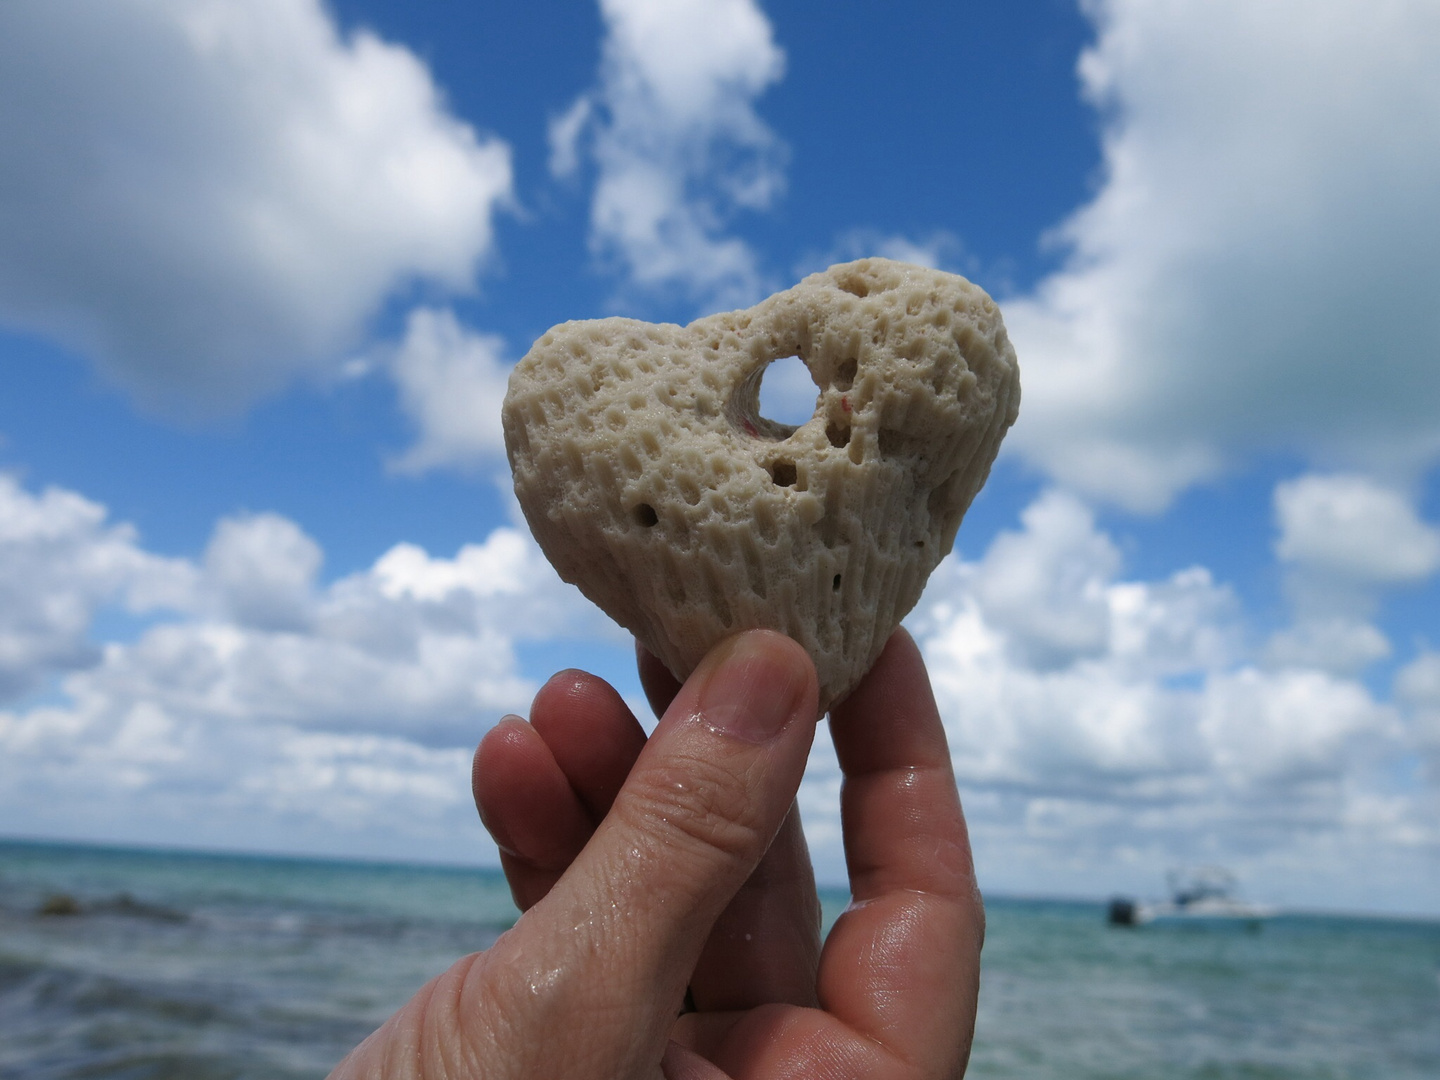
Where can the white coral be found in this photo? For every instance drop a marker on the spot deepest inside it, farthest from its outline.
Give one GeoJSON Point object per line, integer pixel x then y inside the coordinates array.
{"type": "Point", "coordinates": [651, 481]}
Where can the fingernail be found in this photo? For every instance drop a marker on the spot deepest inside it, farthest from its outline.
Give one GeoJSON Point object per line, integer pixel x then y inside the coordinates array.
{"type": "Point", "coordinates": [754, 688]}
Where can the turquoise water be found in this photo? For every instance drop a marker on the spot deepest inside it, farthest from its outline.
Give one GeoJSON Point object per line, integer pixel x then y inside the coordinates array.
{"type": "Point", "coordinates": [214, 966]}
{"type": "Point", "coordinates": [1313, 997]}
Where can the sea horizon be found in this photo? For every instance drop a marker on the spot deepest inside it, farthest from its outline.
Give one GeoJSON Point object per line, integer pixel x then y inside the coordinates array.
{"type": "Point", "coordinates": [494, 871]}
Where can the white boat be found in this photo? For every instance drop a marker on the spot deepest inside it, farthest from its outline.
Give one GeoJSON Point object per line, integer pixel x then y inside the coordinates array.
{"type": "Point", "coordinates": [1205, 894]}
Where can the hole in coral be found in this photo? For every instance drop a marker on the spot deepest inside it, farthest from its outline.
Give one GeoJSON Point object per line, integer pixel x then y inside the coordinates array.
{"type": "Point", "coordinates": [646, 516]}
{"type": "Point", "coordinates": [838, 436]}
{"type": "Point", "coordinates": [845, 373]}
{"type": "Point", "coordinates": [855, 285]}
{"type": "Point", "coordinates": [783, 473]}
{"type": "Point", "coordinates": [787, 393]}
{"type": "Point", "coordinates": [836, 583]}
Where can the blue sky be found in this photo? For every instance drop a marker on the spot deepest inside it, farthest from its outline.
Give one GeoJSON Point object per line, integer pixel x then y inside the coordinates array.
{"type": "Point", "coordinates": [264, 267]}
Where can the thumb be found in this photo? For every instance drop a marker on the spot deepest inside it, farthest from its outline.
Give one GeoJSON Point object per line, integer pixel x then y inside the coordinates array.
{"type": "Point", "coordinates": [698, 810]}
{"type": "Point", "coordinates": [712, 786]}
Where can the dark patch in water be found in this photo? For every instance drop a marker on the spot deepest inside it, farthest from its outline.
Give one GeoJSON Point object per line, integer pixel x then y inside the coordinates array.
{"type": "Point", "coordinates": [63, 905]}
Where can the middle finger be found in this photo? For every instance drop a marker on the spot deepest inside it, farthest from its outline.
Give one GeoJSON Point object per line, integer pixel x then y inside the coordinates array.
{"type": "Point", "coordinates": [765, 947]}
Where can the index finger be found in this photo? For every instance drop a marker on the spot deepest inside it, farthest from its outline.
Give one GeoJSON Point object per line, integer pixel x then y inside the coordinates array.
{"type": "Point", "coordinates": [902, 965]}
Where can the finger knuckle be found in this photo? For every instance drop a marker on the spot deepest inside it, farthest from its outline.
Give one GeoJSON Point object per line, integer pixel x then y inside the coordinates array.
{"type": "Point", "coordinates": [699, 805]}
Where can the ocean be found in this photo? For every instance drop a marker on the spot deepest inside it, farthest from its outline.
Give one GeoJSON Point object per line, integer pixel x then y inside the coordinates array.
{"type": "Point", "coordinates": [148, 965]}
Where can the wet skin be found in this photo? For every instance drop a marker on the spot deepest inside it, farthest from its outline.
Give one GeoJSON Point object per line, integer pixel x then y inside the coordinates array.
{"type": "Point", "coordinates": [649, 868]}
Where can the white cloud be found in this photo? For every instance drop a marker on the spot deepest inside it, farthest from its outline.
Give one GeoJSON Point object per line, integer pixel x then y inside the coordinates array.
{"type": "Point", "coordinates": [59, 564]}
{"type": "Point", "coordinates": [209, 198]}
{"type": "Point", "coordinates": [451, 382]}
{"type": "Point", "coordinates": [1105, 729]}
{"type": "Point", "coordinates": [1083, 705]}
{"type": "Point", "coordinates": [1350, 527]}
{"type": "Point", "coordinates": [564, 133]}
{"type": "Point", "coordinates": [1270, 732]}
{"type": "Point", "coordinates": [502, 566]}
{"type": "Point", "coordinates": [1337, 645]}
{"type": "Point", "coordinates": [677, 144]}
{"type": "Point", "coordinates": [361, 780]}
{"type": "Point", "coordinates": [1100, 726]}
{"type": "Point", "coordinates": [1417, 687]}
{"type": "Point", "coordinates": [1343, 539]}
{"type": "Point", "coordinates": [267, 697]}
{"type": "Point", "coordinates": [263, 569]}
{"type": "Point", "coordinates": [1256, 271]}
{"type": "Point", "coordinates": [1045, 587]}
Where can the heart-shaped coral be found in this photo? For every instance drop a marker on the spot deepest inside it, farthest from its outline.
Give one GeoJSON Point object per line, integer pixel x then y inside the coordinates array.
{"type": "Point", "coordinates": [651, 481]}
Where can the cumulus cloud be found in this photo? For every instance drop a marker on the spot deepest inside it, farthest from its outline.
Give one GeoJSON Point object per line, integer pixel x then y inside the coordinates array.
{"type": "Point", "coordinates": [1418, 689]}
{"type": "Point", "coordinates": [1336, 644]}
{"type": "Point", "coordinates": [262, 569]}
{"type": "Point", "coordinates": [60, 562]}
{"type": "Point", "coordinates": [1104, 728]}
{"type": "Point", "coordinates": [1057, 674]}
{"type": "Point", "coordinates": [452, 381]}
{"type": "Point", "coordinates": [1353, 528]}
{"type": "Point", "coordinates": [211, 198]}
{"type": "Point", "coordinates": [265, 694]}
{"type": "Point", "coordinates": [676, 142]}
{"type": "Point", "coordinates": [1045, 586]}
{"type": "Point", "coordinates": [1343, 539]}
{"type": "Point", "coordinates": [1271, 733]}
{"type": "Point", "coordinates": [1101, 726]}
{"type": "Point", "coordinates": [1255, 271]}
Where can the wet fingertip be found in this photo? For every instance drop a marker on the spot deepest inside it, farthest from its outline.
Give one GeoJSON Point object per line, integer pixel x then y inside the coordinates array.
{"type": "Point", "coordinates": [510, 722]}
{"type": "Point", "coordinates": [568, 681]}
{"type": "Point", "coordinates": [509, 732]}
{"type": "Point", "coordinates": [569, 690]}
{"type": "Point", "coordinates": [508, 741]}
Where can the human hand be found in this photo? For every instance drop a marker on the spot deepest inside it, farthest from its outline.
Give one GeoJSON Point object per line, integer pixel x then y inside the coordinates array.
{"type": "Point", "coordinates": [644, 866]}
{"type": "Point", "coordinates": [893, 993]}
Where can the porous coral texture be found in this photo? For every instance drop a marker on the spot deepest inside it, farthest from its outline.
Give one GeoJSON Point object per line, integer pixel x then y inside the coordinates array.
{"type": "Point", "coordinates": [651, 481]}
